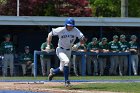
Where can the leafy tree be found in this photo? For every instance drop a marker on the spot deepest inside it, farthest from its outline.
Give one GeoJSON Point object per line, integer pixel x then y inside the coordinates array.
{"type": "Point", "coordinates": [47, 8]}
{"type": "Point", "coordinates": [106, 8]}
{"type": "Point", "coordinates": [134, 8]}
{"type": "Point", "coordinates": [112, 8]}
{"type": "Point", "coordinates": [27, 7]}
{"type": "Point", "coordinates": [73, 8]}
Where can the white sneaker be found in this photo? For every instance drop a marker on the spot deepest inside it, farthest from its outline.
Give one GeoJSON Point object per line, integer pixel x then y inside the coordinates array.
{"type": "Point", "coordinates": [135, 74]}
{"type": "Point", "coordinates": [51, 75]}
{"type": "Point", "coordinates": [67, 83]}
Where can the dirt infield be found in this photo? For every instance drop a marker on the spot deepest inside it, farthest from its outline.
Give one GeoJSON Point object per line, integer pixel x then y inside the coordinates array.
{"type": "Point", "coordinates": [43, 87]}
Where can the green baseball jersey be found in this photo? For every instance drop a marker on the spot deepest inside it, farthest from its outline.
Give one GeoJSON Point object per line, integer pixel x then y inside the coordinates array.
{"type": "Point", "coordinates": [124, 45]}
{"type": "Point", "coordinates": [43, 46]}
{"type": "Point", "coordinates": [92, 46]}
{"type": "Point", "coordinates": [26, 57]}
{"type": "Point", "coordinates": [133, 45]}
{"type": "Point", "coordinates": [7, 47]}
{"type": "Point", "coordinates": [103, 46]}
{"type": "Point", "coordinates": [114, 46]}
{"type": "Point", "coordinates": [82, 47]}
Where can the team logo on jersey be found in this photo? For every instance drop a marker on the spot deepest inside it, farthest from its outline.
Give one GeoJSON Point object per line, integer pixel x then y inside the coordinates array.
{"type": "Point", "coordinates": [69, 36]}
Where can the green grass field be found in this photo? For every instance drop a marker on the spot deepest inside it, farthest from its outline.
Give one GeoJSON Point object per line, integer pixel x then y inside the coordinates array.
{"type": "Point", "coordinates": [112, 87]}
{"type": "Point", "coordinates": [75, 78]}
{"type": "Point", "coordinates": [131, 87]}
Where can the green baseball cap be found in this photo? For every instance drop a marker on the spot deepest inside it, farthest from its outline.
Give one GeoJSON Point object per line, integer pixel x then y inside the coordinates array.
{"type": "Point", "coordinates": [133, 36]}
{"type": "Point", "coordinates": [104, 39]}
{"type": "Point", "coordinates": [26, 47]}
{"type": "Point", "coordinates": [94, 39]}
{"type": "Point", "coordinates": [122, 36]}
{"type": "Point", "coordinates": [115, 36]}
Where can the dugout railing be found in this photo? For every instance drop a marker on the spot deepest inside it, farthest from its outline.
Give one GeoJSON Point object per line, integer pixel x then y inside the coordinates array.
{"type": "Point", "coordinates": [128, 54]}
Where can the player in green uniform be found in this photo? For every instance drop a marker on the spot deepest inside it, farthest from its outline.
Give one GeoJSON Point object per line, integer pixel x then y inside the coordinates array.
{"type": "Point", "coordinates": [104, 48]}
{"type": "Point", "coordinates": [114, 47]}
{"type": "Point", "coordinates": [7, 48]}
{"type": "Point", "coordinates": [77, 65]}
{"type": "Point", "coordinates": [134, 54]}
{"type": "Point", "coordinates": [92, 47]}
{"type": "Point", "coordinates": [45, 59]}
{"type": "Point", "coordinates": [26, 60]}
{"type": "Point", "coordinates": [123, 63]}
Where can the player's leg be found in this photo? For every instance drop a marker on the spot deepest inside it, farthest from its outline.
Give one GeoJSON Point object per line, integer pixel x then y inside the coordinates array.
{"type": "Point", "coordinates": [101, 65]}
{"type": "Point", "coordinates": [23, 69]}
{"type": "Point", "coordinates": [48, 62]}
{"type": "Point", "coordinates": [116, 64]}
{"type": "Point", "coordinates": [11, 57]}
{"type": "Point", "coordinates": [63, 67]}
{"type": "Point", "coordinates": [80, 64]}
{"type": "Point", "coordinates": [133, 63]}
{"type": "Point", "coordinates": [59, 53]}
{"type": "Point", "coordinates": [32, 67]}
{"type": "Point", "coordinates": [66, 59]}
{"type": "Point", "coordinates": [121, 65]}
{"type": "Point", "coordinates": [136, 64]}
{"type": "Point", "coordinates": [112, 65]}
{"type": "Point", "coordinates": [43, 66]}
{"type": "Point", "coordinates": [89, 60]}
{"type": "Point", "coordinates": [75, 65]}
{"type": "Point", "coordinates": [95, 72]}
{"type": "Point", "coordinates": [104, 64]}
{"type": "Point", "coordinates": [5, 65]}
{"type": "Point", "coordinates": [125, 65]}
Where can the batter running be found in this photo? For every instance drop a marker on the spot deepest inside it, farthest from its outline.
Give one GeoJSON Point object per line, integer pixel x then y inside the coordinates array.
{"type": "Point", "coordinates": [67, 36]}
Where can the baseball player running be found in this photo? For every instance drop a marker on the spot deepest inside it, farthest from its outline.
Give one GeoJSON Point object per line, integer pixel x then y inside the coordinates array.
{"type": "Point", "coordinates": [123, 65]}
{"type": "Point", "coordinates": [67, 35]}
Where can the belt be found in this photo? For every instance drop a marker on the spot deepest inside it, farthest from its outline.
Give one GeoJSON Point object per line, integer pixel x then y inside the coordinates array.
{"type": "Point", "coordinates": [64, 48]}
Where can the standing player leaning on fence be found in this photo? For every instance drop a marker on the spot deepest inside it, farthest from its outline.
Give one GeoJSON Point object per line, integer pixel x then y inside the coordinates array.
{"type": "Point", "coordinates": [134, 49]}
{"type": "Point", "coordinates": [67, 36]}
{"type": "Point", "coordinates": [104, 48]}
{"type": "Point", "coordinates": [123, 63]}
{"type": "Point", "coordinates": [78, 59]}
{"type": "Point", "coordinates": [45, 59]}
{"type": "Point", "coordinates": [8, 52]}
{"type": "Point", "coordinates": [75, 64]}
{"type": "Point", "coordinates": [114, 60]}
{"type": "Point", "coordinates": [92, 47]}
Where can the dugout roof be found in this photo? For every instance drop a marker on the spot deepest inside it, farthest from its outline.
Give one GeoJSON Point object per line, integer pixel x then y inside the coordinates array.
{"type": "Point", "coordinates": [59, 21]}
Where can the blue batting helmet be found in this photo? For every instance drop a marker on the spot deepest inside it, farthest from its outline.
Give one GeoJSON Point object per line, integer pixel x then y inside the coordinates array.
{"type": "Point", "coordinates": [70, 22]}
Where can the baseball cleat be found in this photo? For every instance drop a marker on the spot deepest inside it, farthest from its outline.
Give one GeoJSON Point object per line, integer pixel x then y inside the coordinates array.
{"type": "Point", "coordinates": [51, 75]}
{"type": "Point", "coordinates": [67, 83]}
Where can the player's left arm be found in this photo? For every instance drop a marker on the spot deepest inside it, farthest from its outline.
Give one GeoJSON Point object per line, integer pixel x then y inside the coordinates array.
{"type": "Point", "coordinates": [49, 39]}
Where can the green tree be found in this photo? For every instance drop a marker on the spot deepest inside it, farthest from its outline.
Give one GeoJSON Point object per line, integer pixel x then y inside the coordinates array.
{"type": "Point", "coordinates": [134, 8]}
{"type": "Point", "coordinates": [47, 8]}
{"type": "Point", "coordinates": [106, 8]}
{"type": "Point", "coordinates": [112, 8]}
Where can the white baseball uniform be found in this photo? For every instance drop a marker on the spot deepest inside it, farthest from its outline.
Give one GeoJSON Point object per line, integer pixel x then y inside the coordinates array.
{"type": "Point", "coordinates": [66, 40]}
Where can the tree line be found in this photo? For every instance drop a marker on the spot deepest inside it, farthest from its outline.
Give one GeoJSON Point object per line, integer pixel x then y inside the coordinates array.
{"type": "Point", "coordinates": [78, 8]}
